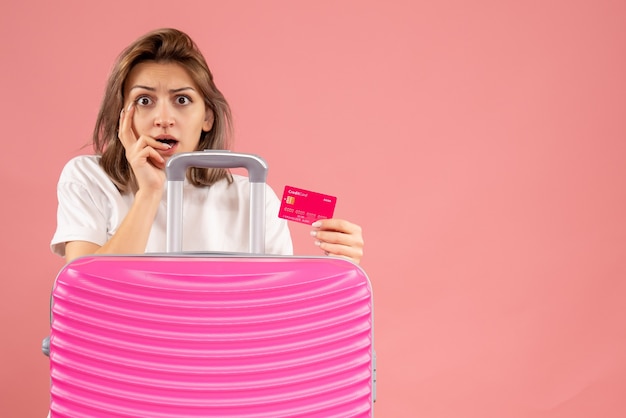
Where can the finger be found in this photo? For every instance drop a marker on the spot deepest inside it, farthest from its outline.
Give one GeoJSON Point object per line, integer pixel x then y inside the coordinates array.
{"type": "Point", "coordinates": [352, 253]}
{"type": "Point", "coordinates": [338, 231]}
{"type": "Point", "coordinates": [142, 151]}
{"type": "Point", "coordinates": [339, 225]}
{"type": "Point", "coordinates": [155, 158]}
{"type": "Point", "coordinates": [125, 130]}
{"type": "Point", "coordinates": [148, 141]}
{"type": "Point", "coordinates": [339, 237]}
{"type": "Point", "coordinates": [342, 238]}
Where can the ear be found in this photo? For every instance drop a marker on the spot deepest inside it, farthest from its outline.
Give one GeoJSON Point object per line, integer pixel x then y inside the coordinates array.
{"type": "Point", "coordinates": [208, 121]}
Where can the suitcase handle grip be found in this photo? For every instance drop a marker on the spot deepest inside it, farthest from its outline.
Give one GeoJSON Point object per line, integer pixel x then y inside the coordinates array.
{"type": "Point", "coordinates": [176, 167]}
{"type": "Point", "coordinates": [176, 170]}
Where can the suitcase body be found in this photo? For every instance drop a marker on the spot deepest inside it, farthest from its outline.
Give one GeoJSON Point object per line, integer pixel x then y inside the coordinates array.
{"type": "Point", "coordinates": [197, 336]}
{"type": "Point", "coordinates": [200, 335]}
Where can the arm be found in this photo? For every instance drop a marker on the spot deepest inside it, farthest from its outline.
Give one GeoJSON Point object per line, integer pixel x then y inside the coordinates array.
{"type": "Point", "coordinates": [130, 238]}
{"type": "Point", "coordinates": [147, 165]}
{"type": "Point", "coordinates": [340, 238]}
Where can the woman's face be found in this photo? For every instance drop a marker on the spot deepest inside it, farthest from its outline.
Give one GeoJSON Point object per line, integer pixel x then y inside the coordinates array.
{"type": "Point", "coordinates": [168, 106]}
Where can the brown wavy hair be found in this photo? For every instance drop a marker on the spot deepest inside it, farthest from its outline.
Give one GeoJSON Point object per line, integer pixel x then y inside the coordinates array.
{"type": "Point", "coordinates": [160, 46]}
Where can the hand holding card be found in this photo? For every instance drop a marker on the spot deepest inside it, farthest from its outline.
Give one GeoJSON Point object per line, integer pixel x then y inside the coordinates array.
{"type": "Point", "coordinates": [335, 237]}
{"type": "Point", "coordinates": [339, 238]}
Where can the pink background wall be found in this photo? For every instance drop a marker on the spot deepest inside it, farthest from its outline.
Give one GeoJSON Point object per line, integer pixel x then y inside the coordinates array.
{"type": "Point", "coordinates": [480, 144]}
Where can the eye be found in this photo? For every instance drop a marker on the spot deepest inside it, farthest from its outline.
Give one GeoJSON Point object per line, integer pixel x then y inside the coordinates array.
{"type": "Point", "coordinates": [143, 101]}
{"type": "Point", "coordinates": [183, 100]}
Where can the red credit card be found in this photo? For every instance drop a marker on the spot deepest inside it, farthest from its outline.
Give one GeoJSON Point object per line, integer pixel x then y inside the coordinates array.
{"type": "Point", "coordinates": [306, 206]}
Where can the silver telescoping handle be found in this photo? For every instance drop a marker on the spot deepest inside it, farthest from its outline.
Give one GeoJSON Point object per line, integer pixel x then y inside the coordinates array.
{"type": "Point", "coordinates": [176, 170]}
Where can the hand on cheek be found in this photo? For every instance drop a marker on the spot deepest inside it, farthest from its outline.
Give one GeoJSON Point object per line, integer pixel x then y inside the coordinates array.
{"type": "Point", "coordinates": [339, 237]}
{"type": "Point", "coordinates": [142, 152]}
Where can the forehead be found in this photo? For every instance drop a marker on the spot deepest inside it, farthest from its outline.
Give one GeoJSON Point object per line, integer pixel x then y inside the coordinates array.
{"type": "Point", "coordinates": [170, 75]}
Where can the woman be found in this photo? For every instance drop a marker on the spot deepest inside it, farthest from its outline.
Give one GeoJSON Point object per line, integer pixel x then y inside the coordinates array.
{"type": "Point", "coordinates": [161, 100]}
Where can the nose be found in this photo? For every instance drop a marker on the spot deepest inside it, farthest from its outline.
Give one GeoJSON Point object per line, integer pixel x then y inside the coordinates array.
{"type": "Point", "coordinates": [164, 117]}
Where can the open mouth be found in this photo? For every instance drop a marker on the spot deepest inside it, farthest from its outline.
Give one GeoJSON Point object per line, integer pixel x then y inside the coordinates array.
{"type": "Point", "coordinates": [167, 141]}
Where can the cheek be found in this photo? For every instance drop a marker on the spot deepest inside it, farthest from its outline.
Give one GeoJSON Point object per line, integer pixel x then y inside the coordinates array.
{"type": "Point", "coordinates": [198, 123]}
{"type": "Point", "coordinates": [142, 119]}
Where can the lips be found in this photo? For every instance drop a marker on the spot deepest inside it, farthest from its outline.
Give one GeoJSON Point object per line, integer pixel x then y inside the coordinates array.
{"type": "Point", "coordinates": [170, 141]}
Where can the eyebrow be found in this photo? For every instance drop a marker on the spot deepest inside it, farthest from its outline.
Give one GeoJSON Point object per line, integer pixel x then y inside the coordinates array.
{"type": "Point", "coordinates": [178, 90]}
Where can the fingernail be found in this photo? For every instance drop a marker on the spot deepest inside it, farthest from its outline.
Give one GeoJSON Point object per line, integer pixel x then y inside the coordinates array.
{"type": "Point", "coordinates": [318, 243]}
{"type": "Point", "coordinates": [313, 233]}
{"type": "Point", "coordinates": [316, 224]}
{"type": "Point", "coordinates": [129, 107]}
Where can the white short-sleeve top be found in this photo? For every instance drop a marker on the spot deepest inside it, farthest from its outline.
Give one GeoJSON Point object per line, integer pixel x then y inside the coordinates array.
{"type": "Point", "coordinates": [215, 218]}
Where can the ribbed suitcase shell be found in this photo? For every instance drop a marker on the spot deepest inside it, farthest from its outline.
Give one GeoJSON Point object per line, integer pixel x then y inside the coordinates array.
{"type": "Point", "coordinates": [211, 336]}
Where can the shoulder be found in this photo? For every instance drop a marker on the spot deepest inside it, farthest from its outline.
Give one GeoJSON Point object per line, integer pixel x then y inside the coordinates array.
{"type": "Point", "coordinates": [81, 167]}
{"type": "Point", "coordinates": [84, 172]}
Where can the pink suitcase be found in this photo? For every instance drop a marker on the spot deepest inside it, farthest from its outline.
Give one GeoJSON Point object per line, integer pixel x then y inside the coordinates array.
{"type": "Point", "coordinates": [201, 335]}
